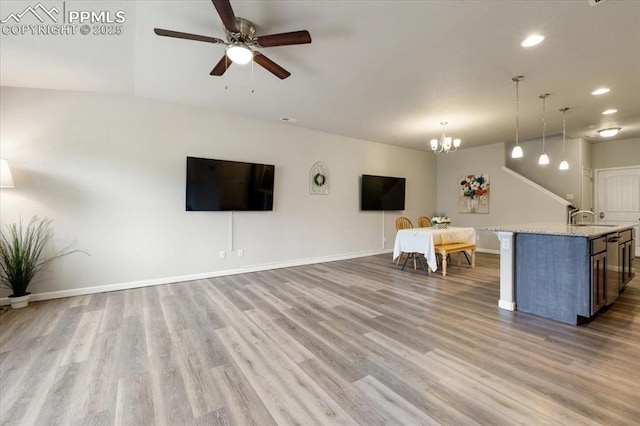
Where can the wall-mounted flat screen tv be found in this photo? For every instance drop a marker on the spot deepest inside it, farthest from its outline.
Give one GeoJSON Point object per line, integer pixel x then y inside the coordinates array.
{"type": "Point", "coordinates": [382, 193]}
{"type": "Point", "coordinates": [220, 185]}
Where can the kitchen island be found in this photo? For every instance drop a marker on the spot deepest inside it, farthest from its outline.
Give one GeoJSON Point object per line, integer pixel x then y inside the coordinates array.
{"type": "Point", "coordinates": [563, 272]}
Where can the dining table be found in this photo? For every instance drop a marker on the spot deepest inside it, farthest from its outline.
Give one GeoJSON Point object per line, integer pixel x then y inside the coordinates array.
{"type": "Point", "coordinates": [424, 240]}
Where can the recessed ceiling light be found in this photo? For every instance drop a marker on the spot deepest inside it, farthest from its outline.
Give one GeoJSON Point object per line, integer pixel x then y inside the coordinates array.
{"type": "Point", "coordinates": [288, 119]}
{"type": "Point", "coordinates": [610, 111]}
{"type": "Point", "coordinates": [601, 91]}
{"type": "Point", "coordinates": [532, 40]}
{"type": "Point", "coordinates": [607, 133]}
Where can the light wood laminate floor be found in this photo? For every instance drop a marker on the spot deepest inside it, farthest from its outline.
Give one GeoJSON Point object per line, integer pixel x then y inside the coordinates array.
{"type": "Point", "coordinates": [348, 342]}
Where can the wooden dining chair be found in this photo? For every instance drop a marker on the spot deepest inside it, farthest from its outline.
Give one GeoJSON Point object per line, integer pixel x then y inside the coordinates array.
{"type": "Point", "coordinates": [424, 222]}
{"type": "Point", "coordinates": [403, 222]}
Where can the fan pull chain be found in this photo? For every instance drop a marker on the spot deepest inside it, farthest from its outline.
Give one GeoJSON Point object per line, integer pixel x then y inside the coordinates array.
{"type": "Point", "coordinates": [226, 74]}
{"type": "Point", "coordinates": [253, 84]}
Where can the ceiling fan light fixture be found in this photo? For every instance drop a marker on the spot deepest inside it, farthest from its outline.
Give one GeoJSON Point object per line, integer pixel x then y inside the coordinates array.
{"type": "Point", "coordinates": [240, 54]}
{"type": "Point", "coordinates": [607, 133]}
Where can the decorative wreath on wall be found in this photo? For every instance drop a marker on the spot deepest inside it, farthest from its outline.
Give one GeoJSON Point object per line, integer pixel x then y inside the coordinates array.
{"type": "Point", "coordinates": [319, 179]}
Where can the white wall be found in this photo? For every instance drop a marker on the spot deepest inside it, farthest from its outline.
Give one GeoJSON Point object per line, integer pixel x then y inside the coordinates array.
{"type": "Point", "coordinates": [620, 153]}
{"type": "Point", "coordinates": [512, 200]}
{"type": "Point", "coordinates": [560, 182]}
{"type": "Point", "coordinates": [110, 172]}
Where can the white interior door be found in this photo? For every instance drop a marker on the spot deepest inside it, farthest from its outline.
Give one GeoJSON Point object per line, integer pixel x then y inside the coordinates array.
{"type": "Point", "coordinates": [587, 190]}
{"type": "Point", "coordinates": [618, 197]}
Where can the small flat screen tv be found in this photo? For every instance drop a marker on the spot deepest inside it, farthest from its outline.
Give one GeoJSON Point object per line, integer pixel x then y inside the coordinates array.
{"type": "Point", "coordinates": [220, 185]}
{"type": "Point", "coordinates": [382, 193]}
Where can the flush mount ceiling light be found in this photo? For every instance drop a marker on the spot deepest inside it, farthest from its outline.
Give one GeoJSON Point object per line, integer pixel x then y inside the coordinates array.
{"type": "Point", "coordinates": [238, 53]}
{"type": "Point", "coordinates": [601, 91]}
{"type": "Point", "coordinates": [564, 164]}
{"type": "Point", "coordinates": [532, 40]}
{"type": "Point", "coordinates": [544, 158]}
{"type": "Point", "coordinates": [517, 150]}
{"type": "Point", "coordinates": [609, 111]}
{"type": "Point", "coordinates": [607, 133]}
{"type": "Point", "coordinates": [445, 143]}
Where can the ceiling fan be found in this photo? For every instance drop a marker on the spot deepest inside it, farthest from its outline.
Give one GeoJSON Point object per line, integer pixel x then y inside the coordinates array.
{"type": "Point", "coordinates": [242, 41]}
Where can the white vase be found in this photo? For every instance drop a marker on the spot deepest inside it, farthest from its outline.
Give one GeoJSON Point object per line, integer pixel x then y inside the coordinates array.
{"type": "Point", "coordinates": [20, 301]}
{"type": "Point", "coordinates": [472, 204]}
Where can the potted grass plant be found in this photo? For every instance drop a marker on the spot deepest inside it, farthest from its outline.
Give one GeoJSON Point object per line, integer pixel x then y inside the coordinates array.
{"type": "Point", "coordinates": [22, 256]}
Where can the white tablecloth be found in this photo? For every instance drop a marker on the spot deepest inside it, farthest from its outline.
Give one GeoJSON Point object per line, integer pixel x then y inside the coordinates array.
{"type": "Point", "coordinates": [423, 240]}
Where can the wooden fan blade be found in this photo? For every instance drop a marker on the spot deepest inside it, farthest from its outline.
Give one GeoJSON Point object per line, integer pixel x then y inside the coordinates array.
{"type": "Point", "coordinates": [221, 66]}
{"type": "Point", "coordinates": [187, 36]}
{"type": "Point", "coordinates": [226, 14]}
{"type": "Point", "coordinates": [285, 39]}
{"type": "Point", "coordinates": [270, 66]}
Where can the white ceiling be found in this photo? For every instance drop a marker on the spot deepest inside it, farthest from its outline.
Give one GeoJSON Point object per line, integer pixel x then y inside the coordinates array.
{"type": "Point", "coordinates": [386, 71]}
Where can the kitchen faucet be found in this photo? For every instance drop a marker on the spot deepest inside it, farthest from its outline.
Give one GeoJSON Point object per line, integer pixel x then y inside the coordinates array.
{"type": "Point", "coordinates": [574, 214]}
{"type": "Point", "coordinates": [571, 211]}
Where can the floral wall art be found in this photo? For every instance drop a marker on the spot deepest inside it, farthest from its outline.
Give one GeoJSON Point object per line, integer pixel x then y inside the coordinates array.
{"type": "Point", "coordinates": [474, 194]}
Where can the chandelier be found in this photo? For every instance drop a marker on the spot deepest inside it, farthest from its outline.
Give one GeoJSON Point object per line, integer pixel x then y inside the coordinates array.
{"type": "Point", "coordinates": [445, 144]}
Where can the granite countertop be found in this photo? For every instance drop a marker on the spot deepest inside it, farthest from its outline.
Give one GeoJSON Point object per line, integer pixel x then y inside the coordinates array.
{"type": "Point", "coordinates": [558, 228]}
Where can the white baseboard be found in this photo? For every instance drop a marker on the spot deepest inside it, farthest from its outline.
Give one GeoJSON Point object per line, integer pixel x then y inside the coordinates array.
{"type": "Point", "coordinates": [168, 280]}
{"type": "Point", "coordinates": [490, 251]}
{"type": "Point", "coordinates": [507, 305]}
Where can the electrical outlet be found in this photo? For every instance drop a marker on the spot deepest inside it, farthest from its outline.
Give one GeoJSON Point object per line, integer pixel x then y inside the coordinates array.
{"type": "Point", "coordinates": [240, 252]}
{"type": "Point", "coordinates": [223, 254]}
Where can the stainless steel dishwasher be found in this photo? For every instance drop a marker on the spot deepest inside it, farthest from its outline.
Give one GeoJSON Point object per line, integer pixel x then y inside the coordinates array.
{"type": "Point", "coordinates": [612, 283]}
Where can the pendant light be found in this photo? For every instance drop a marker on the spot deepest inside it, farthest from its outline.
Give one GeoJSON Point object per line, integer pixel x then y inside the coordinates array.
{"type": "Point", "coordinates": [564, 165]}
{"type": "Point", "coordinates": [517, 150]}
{"type": "Point", "coordinates": [544, 158]}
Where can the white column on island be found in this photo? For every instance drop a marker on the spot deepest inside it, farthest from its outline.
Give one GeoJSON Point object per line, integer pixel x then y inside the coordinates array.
{"type": "Point", "coordinates": [507, 297]}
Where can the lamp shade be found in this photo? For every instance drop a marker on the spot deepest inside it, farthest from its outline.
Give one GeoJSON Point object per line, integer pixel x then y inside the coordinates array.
{"type": "Point", "coordinates": [6, 179]}
{"type": "Point", "coordinates": [517, 152]}
{"type": "Point", "coordinates": [239, 54]}
{"type": "Point", "coordinates": [544, 159]}
{"type": "Point", "coordinates": [564, 165]}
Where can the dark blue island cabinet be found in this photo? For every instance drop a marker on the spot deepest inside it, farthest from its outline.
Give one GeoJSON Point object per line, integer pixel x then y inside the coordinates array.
{"type": "Point", "coordinates": [561, 277]}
